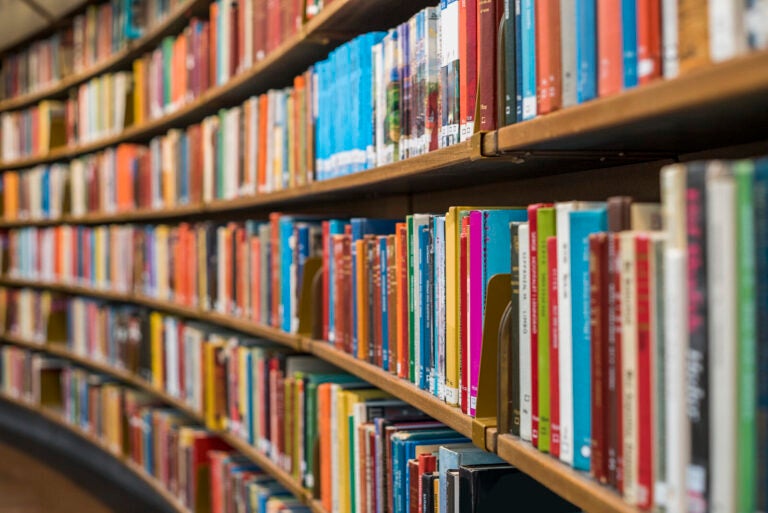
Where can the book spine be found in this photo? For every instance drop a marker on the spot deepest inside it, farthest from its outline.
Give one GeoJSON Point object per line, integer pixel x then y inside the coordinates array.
{"type": "Point", "coordinates": [747, 338]}
{"type": "Point", "coordinates": [586, 50]}
{"type": "Point", "coordinates": [545, 228]}
{"type": "Point", "coordinates": [401, 248]}
{"type": "Point", "coordinates": [697, 474]}
{"type": "Point", "coordinates": [507, 61]}
{"type": "Point", "coordinates": [609, 47]}
{"type": "Point", "coordinates": [722, 287]}
{"type": "Point", "coordinates": [669, 43]}
{"type": "Point", "coordinates": [488, 17]}
{"type": "Point", "coordinates": [464, 314]}
{"type": "Point", "coordinates": [476, 300]}
{"type": "Point", "coordinates": [528, 58]}
{"type": "Point", "coordinates": [468, 68]}
{"type": "Point", "coordinates": [568, 51]}
{"type": "Point", "coordinates": [628, 17]}
{"type": "Point", "coordinates": [628, 369]}
{"type": "Point", "coordinates": [525, 333]}
{"type": "Point", "coordinates": [613, 361]}
{"type": "Point", "coordinates": [692, 34]}
{"type": "Point", "coordinates": [648, 40]}
{"type": "Point", "coordinates": [554, 349]}
{"type": "Point", "coordinates": [513, 352]}
{"type": "Point", "coordinates": [533, 271]}
{"type": "Point", "coordinates": [519, 71]}
{"type": "Point", "coordinates": [565, 361]}
{"type": "Point", "coordinates": [598, 272]}
{"type": "Point", "coordinates": [645, 372]}
{"type": "Point", "coordinates": [760, 198]}
{"type": "Point", "coordinates": [453, 319]}
{"type": "Point", "coordinates": [548, 63]}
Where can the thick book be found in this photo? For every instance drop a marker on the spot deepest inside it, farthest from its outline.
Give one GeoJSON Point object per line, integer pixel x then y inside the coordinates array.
{"type": "Point", "coordinates": [468, 69]}
{"type": "Point", "coordinates": [489, 15]}
{"type": "Point", "coordinates": [609, 47]}
{"type": "Point", "coordinates": [599, 321]}
{"type": "Point", "coordinates": [545, 221]}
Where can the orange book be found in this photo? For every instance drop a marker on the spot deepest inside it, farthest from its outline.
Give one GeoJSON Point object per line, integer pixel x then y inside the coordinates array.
{"type": "Point", "coordinates": [11, 194]}
{"type": "Point", "coordinates": [125, 155]}
{"type": "Point", "coordinates": [648, 40]}
{"type": "Point", "coordinates": [261, 170]}
{"type": "Point", "coordinates": [179, 85]}
{"type": "Point", "coordinates": [361, 296]}
{"type": "Point", "coordinates": [213, 44]}
{"type": "Point", "coordinates": [548, 63]}
{"type": "Point", "coordinates": [609, 47]}
{"type": "Point", "coordinates": [324, 441]}
{"type": "Point", "coordinates": [693, 34]}
{"type": "Point", "coordinates": [299, 173]}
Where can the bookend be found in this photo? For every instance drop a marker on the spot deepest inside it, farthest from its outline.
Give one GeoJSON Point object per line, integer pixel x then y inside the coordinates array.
{"type": "Point", "coordinates": [308, 309]}
{"type": "Point", "coordinates": [496, 299]}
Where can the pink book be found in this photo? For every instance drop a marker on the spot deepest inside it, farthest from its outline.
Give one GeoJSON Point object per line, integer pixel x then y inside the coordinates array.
{"type": "Point", "coordinates": [554, 351]}
{"type": "Point", "coordinates": [534, 321]}
{"type": "Point", "coordinates": [475, 303]}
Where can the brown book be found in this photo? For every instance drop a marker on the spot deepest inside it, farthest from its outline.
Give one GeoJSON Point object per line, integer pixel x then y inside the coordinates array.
{"type": "Point", "coordinates": [414, 499]}
{"type": "Point", "coordinates": [489, 14]}
{"type": "Point", "coordinates": [693, 34]}
{"type": "Point", "coordinates": [598, 271]}
{"type": "Point", "coordinates": [392, 303]}
{"type": "Point", "coordinates": [375, 319]}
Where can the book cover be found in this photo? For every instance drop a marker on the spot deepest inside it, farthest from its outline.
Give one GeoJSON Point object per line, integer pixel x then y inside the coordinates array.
{"type": "Point", "coordinates": [609, 47]}
{"type": "Point", "coordinates": [548, 56]}
{"type": "Point", "coordinates": [545, 227]}
{"type": "Point", "coordinates": [449, 73]}
{"type": "Point", "coordinates": [628, 17]}
{"type": "Point", "coordinates": [507, 63]}
{"type": "Point", "coordinates": [599, 325]}
{"type": "Point", "coordinates": [649, 41]}
{"type": "Point", "coordinates": [525, 333]}
{"type": "Point", "coordinates": [627, 273]}
{"type": "Point", "coordinates": [692, 34]}
{"type": "Point", "coordinates": [554, 348]}
{"type": "Point", "coordinates": [527, 63]}
{"type": "Point", "coordinates": [468, 68]}
{"type": "Point", "coordinates": [488, 18]}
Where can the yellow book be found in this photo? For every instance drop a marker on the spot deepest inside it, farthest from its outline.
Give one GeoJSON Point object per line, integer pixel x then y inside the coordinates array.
{"type": "Point", "coordinates": [213, 410]}
{"type": "Point", "coordinates": [138, 91]}
{"type": "Point", "coordinates": [242, 389]}
{"type": "Point", "coordinates": [347, 458]}
{"type": "Point", "coordinates": [156, 345]}
{"type": "Point", "coordinates": [99, 260]}
{"type": "Point", "coordinates": [298, 426]}
{"type": "Point", "coordinates": [11, 195]}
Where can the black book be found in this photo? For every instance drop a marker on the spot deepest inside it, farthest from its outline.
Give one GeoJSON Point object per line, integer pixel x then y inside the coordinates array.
{"type": "Point", "coordinates": [452, 490]}
{"type": "Point", "coordinates": [492, 488]}
{"type": "Point", "coordinates": [428, 492]}
{"type": "Point", "coordinates": [697, 376]}
{"type": "Point", "coordinates": [507, 67]}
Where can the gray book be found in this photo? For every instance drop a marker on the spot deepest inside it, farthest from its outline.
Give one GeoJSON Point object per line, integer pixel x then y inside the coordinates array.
{"type": "Point", "coordinates": [568, 51]}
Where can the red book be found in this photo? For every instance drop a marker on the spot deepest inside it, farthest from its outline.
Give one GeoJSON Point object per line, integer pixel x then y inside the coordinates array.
{"type": "Point", "coordinates": [242, 277]}
{"type": "Point", "coordinates": [241, 21]}
{"type": "Point", "coordinates": [274, 25]}
{"type": "Point", "coordinates": [401, 250]}
{"type": "Point", "coordinates": [489, 14]}
{"type": "Point", "coordinates": [274, 219]}
{"type": "Point", "coordinates": [648, 40]}
{"type": "Point", "coordinates": [261, 169]}
{"type": "Point", "coordinates": [259, 30]}
{"type": "Point", "coordinates": [548, 63]}
{"type": "Point", "coordinates": [468, 68]}
{"type": "Point", "coordinates": [464, 314]}
{"type": "Point", "coordinates": [614, 412]}
{"type": "Point", "coordinates": [599, 277]}
{"type": "Point", "coordinates": [347, 295]}
{"type": "Point", "coordinates": [414, 498]}
{"type": "Point", "coordinates": [554, 351]}
{"type": "Point", "coordinates": [609, 47]}
{"type": "Point", "coordinates": [427, 465]}
{"type": "Point", "coordinates": [204, 59]}
{"type": "Point", "coordinates": [327, 256]}
{"type": "Point", "coordinates": [255, 266]}
{"type": "Point", "coordinates": [645, 350]}
{"type": "Point", "coordinates": [234, 56]}
{"type": "Point", "coordinates": [338, 245]}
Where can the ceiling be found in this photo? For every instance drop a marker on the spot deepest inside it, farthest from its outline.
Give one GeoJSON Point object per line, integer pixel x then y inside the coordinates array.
{"type": "Point", "coordinates": [22, 18]}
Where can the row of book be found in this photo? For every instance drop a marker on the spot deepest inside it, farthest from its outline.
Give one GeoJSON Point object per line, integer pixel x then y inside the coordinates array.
{"type": "Point", "coordinates": [87, 39]}
{"type": "Point", "coordinates": [190, 462]}
{"type": "Point", "coordinates": [311, 420]}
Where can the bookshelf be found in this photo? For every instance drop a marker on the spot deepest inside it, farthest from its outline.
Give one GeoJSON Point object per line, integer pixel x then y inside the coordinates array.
{"type": "Point", "coordinates": [717, 106]}
{"type": "Point", "coordinates": [574, 486]}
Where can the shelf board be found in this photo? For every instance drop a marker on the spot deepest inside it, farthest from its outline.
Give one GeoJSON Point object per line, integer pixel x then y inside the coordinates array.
{"type": "Point", "coordinates": [55, 418]}
{"type": "Point", "coordinates": [171, 24]}
{"type": "Point", "coordinates": [575, 486]}
{"type": "Point", "coordinates": [294, 56]}
{"type": "Point", "coordinates": [714, 106]}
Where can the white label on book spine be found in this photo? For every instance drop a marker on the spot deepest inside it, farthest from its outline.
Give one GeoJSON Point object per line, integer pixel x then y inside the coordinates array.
{"type": "Point", "coordinates": [525, 334]}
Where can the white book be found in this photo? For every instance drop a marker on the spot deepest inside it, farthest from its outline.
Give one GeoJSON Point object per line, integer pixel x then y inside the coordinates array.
{"type": "Point", "coordinates": [171, 356]}
{"type": "Point", "coordinates": [379, 99]}
{"type": "Point", "coordinates": [626, 261]}
{"type": "Point", "coordinates": [221, 299]}
{"type": "Point", "coordinates": [565, 335]}
{"type": "Point", "coordinates": [727, 38]}
{"type": "Point", "coordinates": [253, 143]}
{"type": "Point", "coordinates": [669, 39]}
{"type": "Point", "coordinates": [569, 71]}
{"type": "Point", "coordinates": [335, 499]}
{"type": "Point", "coordinates": [439, 321]}
{"type": "Point", "coordinates": [677, 430]}
{"type": "Point", "coordinates": [208, 158]}
{"type": "Point", "coordinates": [755, 24]}
{"type": "Point", "coordinates": [419, 220]}
{"type": "Point", "coordinates": [525, 333]}
{"type": "Point", "coordinates": [723, 339]}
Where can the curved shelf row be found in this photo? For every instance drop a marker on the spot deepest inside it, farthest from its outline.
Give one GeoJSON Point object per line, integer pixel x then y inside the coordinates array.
{"type": "Point", "coordinates": [572, 485]}
{"type": "Point", "coordinates": [54, 418]}
{"type": "Point", "coordinates": [169, 25]}
{"type": "Point", "coordinates": [712, 107]}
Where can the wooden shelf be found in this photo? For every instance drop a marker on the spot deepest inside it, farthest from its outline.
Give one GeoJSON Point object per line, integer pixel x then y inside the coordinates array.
{"type": "Point", "coordinates": [294, 55]}
{"type": "Point", "coordinates": [171, 24]}
{"type": "Point", "coordinates": [55, 418]}
{"type": "Point", "coordinates": [573, 485]}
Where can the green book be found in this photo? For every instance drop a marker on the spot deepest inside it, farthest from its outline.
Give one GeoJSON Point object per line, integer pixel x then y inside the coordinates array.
{"type": "Point", "coordinates": [545, 221]}
{"type": "Point", "coordinates": [167, 50]}
{"type": "Point", "coordinates": [747, 333]}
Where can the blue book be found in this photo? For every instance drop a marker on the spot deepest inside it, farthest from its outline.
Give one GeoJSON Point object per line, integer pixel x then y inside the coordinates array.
{"type": "Point", "coordinates": [149, 460]}
{"type": "Point", "coordinates": [761, 297]}
{"type": "Point", "coordinates": [409, 452]}
{"type": "Point", "coordinates": [453, 456]}
{"type": "Point", "coordinates": [438, 310]}
{"type": "Point", "coordinates": [251, 402]}
{"type": "Point", "coordinates": [497, 258]}
{"type": "Point", "coordinates": [183, 176]}
{"type": "Point", "coordinates": [302, 253]}
{"type": "Point", "coordinates": [426, 361]}
{"type": "Point", "coordinates": [382, 256]}
{"type": "Point", "coordinates": [528, 61]}
{"type": "Point", "coordinates": [583, 223]}
{"type": "Point", "coordinates": [518, 62]}
{"type": "Point", "coordinates": [46, 192]}
{"type": "Point", "coordinates": [629, 41]}
{"type": "Point", "coordinates": [288, 261]}
{"type": "Point", "coordinates": [586, 50]}
{"type": "Point", "coordinates": [362, 226]}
